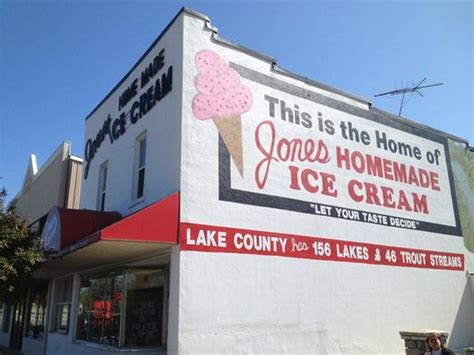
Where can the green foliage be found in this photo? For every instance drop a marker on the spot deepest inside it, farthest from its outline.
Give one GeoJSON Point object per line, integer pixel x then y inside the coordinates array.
{"type": "Point", "coordinates": [20, 252]}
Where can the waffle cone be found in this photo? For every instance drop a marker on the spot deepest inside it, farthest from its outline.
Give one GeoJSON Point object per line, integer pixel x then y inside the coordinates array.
{"type": "Point", "coordinates": [230, 130]}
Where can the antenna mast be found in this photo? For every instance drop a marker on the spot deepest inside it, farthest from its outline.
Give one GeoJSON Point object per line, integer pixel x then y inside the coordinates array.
{"type": "Point", "coordinates": [403, 91]}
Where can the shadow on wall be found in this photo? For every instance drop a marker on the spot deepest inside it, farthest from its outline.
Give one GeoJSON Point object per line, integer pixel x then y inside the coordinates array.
{"type": "Point", "coordinates": [462, 334]}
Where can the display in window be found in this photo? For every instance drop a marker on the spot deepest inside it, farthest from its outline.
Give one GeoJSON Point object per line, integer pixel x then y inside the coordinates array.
{"type": "Point", "coordinates": [37, 311]}
{"type": "Point", "coordinates": [100, 318]}
{"type": "Point", "coordinates": [99, 309]}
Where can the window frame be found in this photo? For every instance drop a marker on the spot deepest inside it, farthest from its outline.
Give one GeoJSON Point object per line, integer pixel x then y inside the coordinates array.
{"type": "Point", "coordinates": [36, 292]}
{"type": "Point", "coordinates": [139, 169]}
{"type": "Point", "coordinates": [102, 186]}
{"type": "Point", "coordinates": [3, 312]}
{"type": "Point", "coordinates": [55, 321]}
{"type": "Point", "coordinates": [108, 273]}
{"type": "Point", "coordinates": [125, 271]}
{"type": "Point", "coordinates": [7, 317]}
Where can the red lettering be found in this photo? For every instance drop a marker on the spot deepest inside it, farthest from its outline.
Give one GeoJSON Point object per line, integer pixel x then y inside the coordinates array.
{"type": "Point", "coordinates": [371, 194]}
{"type": "Point", "coordinates": [286, 151]}
{"type": "Point", "coordinates": [387, 167]}
{"type": "Point", "coordinates": [305, 180]}
{"type": "Point", "coordinates": [387, 197]}
{"type": "Point", "coordinates": [412, 178]}
{"type": "Point", "coordinates": [387, 194]}
{"type": "Point", "coordinates": [263, 167]}
{"type": "Point", "coordinates": [358, 162]}
{"type": "Point", "coordinates": [366, 164]}
{"type": "Point", "coordinates": [327, 183]}
{"type": "Point", "coordinates": [400, 172]}
{"type": "Point", "coordinates": [309, 180]}
{"type": "Point", "coordinates": [353, 184]}
{"type": "Point", "coordinates": [283, 149]}
{"type": "Point", "coordinates": [374, 166]}
{"type": "Point", "coordinates": [434, 177]}
{"type": "Point", "coordinates": [294, 177]}
{"type": "Point", "coordinates": [403, 202]}
{"type": "Point", "coordinates": [420, 204]}
{"type": "Point", "coordinates": [424, 178]}
{"type": "Point", "coordinates": [343, 157]}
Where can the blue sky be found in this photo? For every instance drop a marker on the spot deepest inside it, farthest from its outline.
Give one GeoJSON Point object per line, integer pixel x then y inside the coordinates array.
{"type": "Point", "coordinates": [59, 59]}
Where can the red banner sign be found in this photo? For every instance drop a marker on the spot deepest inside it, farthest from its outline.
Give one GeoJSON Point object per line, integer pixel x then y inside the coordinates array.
{"type": "Point", "coordinates": [205, 238]}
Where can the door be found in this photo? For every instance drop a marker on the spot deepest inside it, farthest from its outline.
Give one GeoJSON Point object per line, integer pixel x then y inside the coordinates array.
{"type": "Point", "coordinates": [16, 333]}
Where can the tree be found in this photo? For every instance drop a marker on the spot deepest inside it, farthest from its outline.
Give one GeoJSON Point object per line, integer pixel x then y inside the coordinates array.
{"type": "Point", "coordinates": [20, 252]}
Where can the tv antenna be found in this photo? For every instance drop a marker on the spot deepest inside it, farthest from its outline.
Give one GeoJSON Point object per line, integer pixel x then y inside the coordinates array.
{"type": "Point", "coordinates": [407, 89]}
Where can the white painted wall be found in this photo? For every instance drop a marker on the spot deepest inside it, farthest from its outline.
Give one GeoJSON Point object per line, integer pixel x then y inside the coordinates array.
{"type": "Point", "coordinates": [236, 303]}
{"type": "Point", "coordinates": [163, 129]}
{"type": "Point", "coordinates": [223, 302]}
{"type": "Point", "coordinates": [162, 125]}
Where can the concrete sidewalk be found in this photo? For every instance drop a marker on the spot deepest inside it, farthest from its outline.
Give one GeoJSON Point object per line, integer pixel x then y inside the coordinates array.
{"type": "Point", "coordinates": [8, 351]}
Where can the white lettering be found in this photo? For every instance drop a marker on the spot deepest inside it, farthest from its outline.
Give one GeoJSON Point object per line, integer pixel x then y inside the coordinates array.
{"type": "Point", "coordinates": [207, 238]}
{"type": "Point", "coordinates": [259, 242]}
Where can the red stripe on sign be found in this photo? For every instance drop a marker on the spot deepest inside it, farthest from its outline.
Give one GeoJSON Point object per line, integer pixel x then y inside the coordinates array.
{"type": "Point", "coordinates": [205, 238]}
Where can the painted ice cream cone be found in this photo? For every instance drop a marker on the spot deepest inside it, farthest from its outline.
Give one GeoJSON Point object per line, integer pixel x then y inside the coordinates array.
{"type": "Point", "coordinates": [223, 98]}
{"type": "Point", "coordinates": [230, 131]}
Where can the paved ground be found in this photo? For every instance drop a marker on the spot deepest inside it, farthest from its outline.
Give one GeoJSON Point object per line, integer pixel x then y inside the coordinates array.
{"type": "Point", "coordinates": [8, 351]}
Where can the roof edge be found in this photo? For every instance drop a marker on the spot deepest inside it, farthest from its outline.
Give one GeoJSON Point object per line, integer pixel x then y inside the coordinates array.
{"type": "Point", "coordinates": [321, 85]}
{"type": "Point", "coordinates": [76, 158]}
{"type": "Point", "coordinates": [275, 67]}
{"type": "Point", "coordinates": [412, 123]}
{"type": "Point", "coordinates": [64, 147]}
{"type": "Point", "coordinates": [229, 43]}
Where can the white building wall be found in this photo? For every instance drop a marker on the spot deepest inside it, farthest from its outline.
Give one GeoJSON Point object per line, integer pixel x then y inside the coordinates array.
{"type": "Point", "coordinates": [162, 125]}
{"type": "Point", "coordinates": [234, 301]}
{"type": "Point", "coordinates": [163, 128]}
{"type": "Point", "coordinates": [225, 299]}
{"type": "Point", "coordinates": [174, 299]}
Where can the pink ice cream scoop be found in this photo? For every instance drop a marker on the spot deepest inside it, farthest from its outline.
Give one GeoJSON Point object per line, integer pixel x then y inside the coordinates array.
{"type": "Point", "coordinates": [222, 97]}
{"type": "Point", "coordinates": [220, 92]}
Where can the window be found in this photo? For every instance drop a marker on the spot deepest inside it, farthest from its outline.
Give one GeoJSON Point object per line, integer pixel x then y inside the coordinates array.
{"type": "Point", "coordinates": [37, 310]}
{"type": "Point", "coordinates": [2, 314]}
{"type": "Point", "coordinates": [102, 187]}
{"type": "Point", "coordinates": [62, 305]}
{"type": "Point", "coordinates": [100, 301]}
{"type": "Point", "coordinates": [140, 162]}
{"type": "Point", "coordinates": [6, 317]}
{"type": "Point", "coordinates": [145, 308]}
{"type": "Point", "coordinates": [124, 308]}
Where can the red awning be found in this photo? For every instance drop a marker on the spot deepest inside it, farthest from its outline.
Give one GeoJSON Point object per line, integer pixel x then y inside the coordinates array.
{"type": "Point", "coordinates": [140, 234]}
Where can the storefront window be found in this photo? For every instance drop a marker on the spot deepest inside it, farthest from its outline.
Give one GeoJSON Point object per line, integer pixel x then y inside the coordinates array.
{"type": "Point", "coordinates": [37, 310]}
{"type": "Point", "coordinates": [6, 315]}
{"type": "Point", "coordinates": [62, 305]}
{"type": "Point", "coordinates": [123, 308]}
{"type": "Point", "coordinates": [144, 309]}
{"type": "Point", "coordinates": [100, 300]}
{"type": "Point", "coordinates": [2, 312]}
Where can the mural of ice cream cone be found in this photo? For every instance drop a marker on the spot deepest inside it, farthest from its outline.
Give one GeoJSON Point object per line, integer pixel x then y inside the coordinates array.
{"type": "Point", "coordinates": [222, 97]}
{"type": "Point", "coordinates": [230, 131]}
